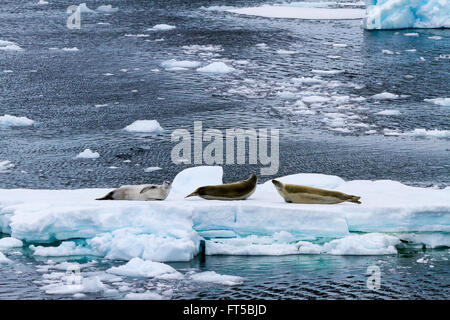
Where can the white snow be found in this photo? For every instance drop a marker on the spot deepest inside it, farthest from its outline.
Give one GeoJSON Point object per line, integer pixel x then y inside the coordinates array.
{"type": "Point", "coordinates": [398, 14]}
{"type": "Point", "coordinates": [170, 230]}
{"type": "Point", "coordinates": [216, 67]}
{"type": "Point", "coordinates": [148, 126]}
{"type": "Point", "coordinates": [440, 101]}
{"type": "Point", "coordinates": [271, 11]}
{"type": "Point", "coordinates": [161, 27]}
{"type": "Point", "coordinates": [213, 277]}
{"type": "Point", "coordinates": [137, 267]}
{"type": "Point", "coordinates": [88, 154]}
{"type": "Point", "coordinates": [8, 242]}
{"type": "Point", "coordinates": [13, 121]}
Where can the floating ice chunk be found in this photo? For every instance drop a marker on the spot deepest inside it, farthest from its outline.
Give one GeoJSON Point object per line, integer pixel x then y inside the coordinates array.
{"type": "Point", "coordinates": [151, 169]}
{"type": "Point", "coordinates": [275, 11]}
{"type": "Point", "coordinates": [74, 49]}
{"type": "Point", "coordinates": [88, 154]}
{"type": "Point", "coordinates": [161, 27]}
{"type": "Point", "coordinates": [307, 80]}
{"type": "Point", "coordinates": [107, 9]}
{"type": "Point", "coordinates": [411, 34]}
{"type": "Point", "coordinates": [9, 46]}
{"type": "Point", "coordinates": [385, 51]}
{"type": "Point", "coordinates": [195, 48]}
{"type": "Point", "coordinates": [216, 8]}
{"type": "Point", "coordinates": [216, 67]}
{"type": "Point", "coordinates": [137, 267]}
{"type": "Point", "coordinates": [334, 57]}
{"type": "Point", "coordinates": [42, 2]}
{"type": "Point", "coordinates": [147, 295]}
{"type": "Point", "coordinates": [390, 132]}
{"type": "Point", "coordinates": [6, 165]}
{"type": "Point", "coordinates": [213, 277]}
{"type": "Point", "coordinates": [411, 50]}
{"type": "Point", "coordinates": [139, 35]}
{"type": "Point", "coordinates": [180, 64]}
{"type": "Point", "coordinates": [435, 38]}
{"type": "Point", "coordinates": [4, 259]}
{"type": "Point", "coordinates": [174, 242]}
{"type": "Point", "coordinates": [422, 260]}
{"type": "Point", "coordinates": [13, 121]}
{"type": "Point", "coordinates": [389, 113]}
{"type": "Point", "coordinates": [397, 14]}
{"type": "Point", "coordinates": [88, 285]}
{"type": "Point", "coordinates": [148, 126]}
{"type": "Point", "coordinates": [327, 72]}
{"type": "Point", "coordinates": [282, 51]}
{"type": "Point", "coordinates": [66, 248]}
{"type": "Point", "coordinates": [429, 133]}
{"type": "Point", "coordinates": [439, 101]}
{"type": "Point", "coordinates": [340, 45]}
{"type": "Point", "coordinates": [84, 8]}
{"type": "Point", "coordinates": [386, 96]}
{"type": "Point", "coordinates": [9, 242]}
{"type": "Point", "coordinates": [367, 244]}
{"type": "Point", "coordinates": [287, 95]}
{"type": "Point", "coordinates": [315, 99]}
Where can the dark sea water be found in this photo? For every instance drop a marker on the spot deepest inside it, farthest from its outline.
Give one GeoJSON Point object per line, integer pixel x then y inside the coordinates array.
{"type": "Point", "coordinates": [59, 90]}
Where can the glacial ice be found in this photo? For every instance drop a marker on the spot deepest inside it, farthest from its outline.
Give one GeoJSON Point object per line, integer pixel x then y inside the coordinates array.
{"type": "Point", "coordinates": [171, 230]}
{"type": "Point", "coordinates": [137, 267]}
{"type": "Point", "coordinates": [216, 67]}
{"type": "Point", "coordinates": [401, 14]}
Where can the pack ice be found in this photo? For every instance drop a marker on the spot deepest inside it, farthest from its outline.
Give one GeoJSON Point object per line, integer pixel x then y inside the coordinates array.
{"type": "Point", "coordinates": [171, 230]}
{"type": "Point", "coordinates": [399, 14]}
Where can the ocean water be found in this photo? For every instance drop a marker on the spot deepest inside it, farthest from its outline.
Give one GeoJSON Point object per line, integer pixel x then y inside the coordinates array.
{"type": "Point", "coordinates": [83, 99]}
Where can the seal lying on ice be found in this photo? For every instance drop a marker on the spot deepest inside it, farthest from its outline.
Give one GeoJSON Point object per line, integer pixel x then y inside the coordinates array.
{"type": "Point", "coordinates": [232, 191]}
{"type": "Point", "coordinates": [144, 192]}
{"type": "Point", "coordinates": [303, 194]}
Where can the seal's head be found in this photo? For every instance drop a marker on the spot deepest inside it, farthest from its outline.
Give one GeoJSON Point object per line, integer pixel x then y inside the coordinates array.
{"type": "Point", "coordinates": [278, 185]}
{"type": "Point", "coordinates": [167, 185]}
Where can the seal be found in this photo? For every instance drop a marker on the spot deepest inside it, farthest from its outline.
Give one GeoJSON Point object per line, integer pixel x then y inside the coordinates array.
{"type": "Point", "coordinates": [232, 191]}
{"type": "Point", "coordinates": [144, 192]}
{"type": "Point", "coordinates": [303, 194]}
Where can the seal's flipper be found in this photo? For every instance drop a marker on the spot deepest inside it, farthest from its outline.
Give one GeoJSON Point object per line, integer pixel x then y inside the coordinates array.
{"type": "Point", "coordinates": [109, 196]}
{"type": "Point", "coordinates": [147, 188]}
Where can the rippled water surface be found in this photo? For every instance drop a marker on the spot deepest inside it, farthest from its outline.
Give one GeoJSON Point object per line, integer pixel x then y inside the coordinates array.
{"type": "Point", "coordinates": [83, 99]}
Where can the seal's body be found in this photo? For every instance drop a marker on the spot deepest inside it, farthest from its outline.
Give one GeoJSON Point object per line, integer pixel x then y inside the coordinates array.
{"type": "Point", "coordinates": [144, 192]}
{"type": "Point", "coordinates": [232, 191]}
{"type": "Point", "coordinates": [303, 194]}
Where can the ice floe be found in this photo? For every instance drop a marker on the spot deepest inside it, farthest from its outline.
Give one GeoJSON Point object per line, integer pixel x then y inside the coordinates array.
{"type": "Point", "coordinates": [161, 27]}
{"type": "Point", "coordinates": [107, 9]}
{"type": "Point", "coordinates": [88, 154]}
{"type": "Point", "coordinates": [440, 101]}
{"type": "Point", "coordinates": [171, 230]}
{"type": "Point", "coordinates": [137, 267]}
{"type": "Point", "coordinates": [6, 165]}
{"type": "Point", "coordinates": [13, 121]}
{"type": "Point", "coordinates": [213, 277]}
{"type": "Point", "coordinates": [185, 64]}
{"type": "Point", "coordinates": [146, 126]}
{"type": "Point", "coordinates": [9, 46]}
{"type": "Point", "coordinates": [4, 259]}
{"type": "Point", "coordinates": [388, 113]}
{"type": "Point", "coordinates": [216, 67]}
{"type": "Point", "coordinates": [8, 243]}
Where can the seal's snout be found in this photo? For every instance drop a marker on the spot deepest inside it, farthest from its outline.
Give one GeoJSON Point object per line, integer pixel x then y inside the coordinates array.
{"type": "Point", "coordinates": [277, 184]}
{"type": "Point", "coordinates": [193, 194]}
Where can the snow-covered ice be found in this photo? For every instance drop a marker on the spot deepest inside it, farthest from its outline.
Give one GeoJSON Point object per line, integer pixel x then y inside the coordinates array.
{"type": "Point", "coordinates": [137, 267]}
{"type": "Point", "coordinates": [171, 230]}
{"type": "Point", "coordinates": [147, 126]}
{"type": "Point", "coordinates": [8, 242]}
{"type": "Point", "coordinates": [398, 14]}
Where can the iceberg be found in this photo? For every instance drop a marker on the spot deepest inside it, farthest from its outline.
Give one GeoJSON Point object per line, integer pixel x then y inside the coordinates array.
{"type": "Point", "coordinates": [173, 230]}
{"type": "Point", "coordinates": [402, 14]}
{"type": "Point", "coordinates": [146, 126]}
